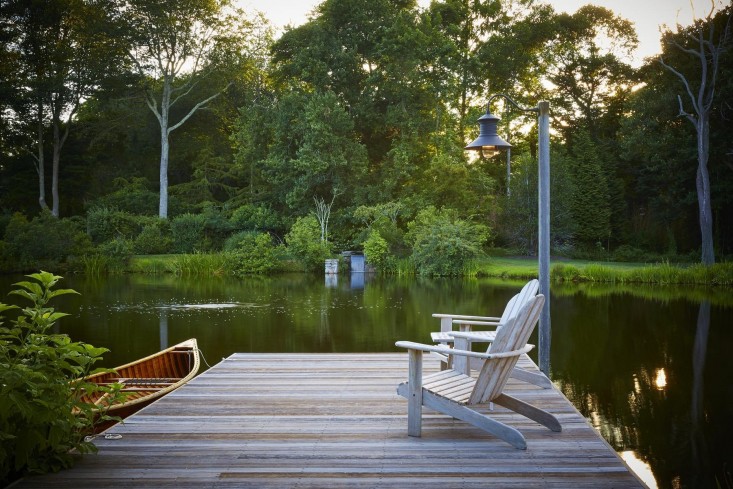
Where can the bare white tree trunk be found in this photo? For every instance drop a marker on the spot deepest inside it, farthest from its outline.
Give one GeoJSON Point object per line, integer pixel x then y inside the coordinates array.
{"type": "Point", "coordinates": [162, 112]}
{"type": "Point", "coordinates": [164, 149]}
{"type": "Point", "coordinates": [323, 214]}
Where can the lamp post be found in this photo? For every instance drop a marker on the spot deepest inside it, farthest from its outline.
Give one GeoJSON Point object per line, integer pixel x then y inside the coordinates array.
{"type": "Point", "coordinates": [489, 143]}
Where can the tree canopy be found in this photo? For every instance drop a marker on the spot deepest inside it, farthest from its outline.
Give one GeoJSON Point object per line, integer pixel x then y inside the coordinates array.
{"type": "Point", "coordinates": [367, 106]}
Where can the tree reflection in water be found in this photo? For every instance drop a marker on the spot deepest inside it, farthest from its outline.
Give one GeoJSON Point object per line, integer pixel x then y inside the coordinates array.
{"type": "Point", "coordinates": [653, 376]}
{"type": "Point", "coordinates": [699, 449]}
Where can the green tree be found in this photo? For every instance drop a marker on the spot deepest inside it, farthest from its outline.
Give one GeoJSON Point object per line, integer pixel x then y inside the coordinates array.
{"type": "Point", "coordinates": [660, 157]}
{"type": "Point", "coordinates": [177, 46]}
{"type": "Point", "coordinates": [590, 204]}
{"type": "Point", "coordinates": [304, 243]}
{"type": "Point", "coordinates": [485, 46]}
{"type": "Point", "coordinates": [588, 70]}
{"type": "Point", "coordinates": [517, 226]}
{"type": "Point", "coordinates": [62, 54]}
{"type": "Point", "coordinates": [442, 243]}
{"type": "Point", "coordinates": [655, 153]}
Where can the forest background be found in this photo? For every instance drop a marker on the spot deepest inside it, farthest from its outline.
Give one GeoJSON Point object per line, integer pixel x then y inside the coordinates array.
{"type": "Point", "coordinates": [185, 126]}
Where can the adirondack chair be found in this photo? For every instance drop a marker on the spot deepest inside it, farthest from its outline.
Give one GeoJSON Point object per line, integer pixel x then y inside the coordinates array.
{"type": "Point", "coordinates": [466, 335]}
{"type": "Point", "coordinates": [458, 395]}
{"type": "Point", "coordinates": [465, 322]}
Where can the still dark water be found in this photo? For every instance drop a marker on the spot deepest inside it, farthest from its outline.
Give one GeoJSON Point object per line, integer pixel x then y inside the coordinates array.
{"type": "Point", "coordinates": [650, 367]}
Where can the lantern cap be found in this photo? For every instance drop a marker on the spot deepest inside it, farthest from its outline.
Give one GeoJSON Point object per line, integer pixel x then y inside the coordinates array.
{"type": "Point", "coordinates": [488, 137]}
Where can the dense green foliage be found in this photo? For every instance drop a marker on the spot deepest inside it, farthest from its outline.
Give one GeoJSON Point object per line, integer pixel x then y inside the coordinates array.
{"type": "Point", "coordinates": [254, 253]}
{"type": "Point", "coordinates": [41, 416]}
{"type": "Point", "coordinates": [368, 106]}
{"type": "Point", "coordinates": [304, 243]}
{"type": "Point", "coordinates": [62, 240]}
{"type": "Point", "coordinates": [442, 243]}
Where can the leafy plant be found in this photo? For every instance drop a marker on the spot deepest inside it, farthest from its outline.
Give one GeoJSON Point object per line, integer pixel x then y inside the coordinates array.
{"type": "Point", "coordinates": [254, 253]}
{"type": "Point", "coordinates": [376, 249]}
{"type": "Point", "coordinates": [304, 242]}
{"type": "Point", "coordinates": [154, 239]}
{"type": "Point", "coordinates": [42, 414]}
{"type": "Point", "coordinates": [118, 252]}
{"type": "Point", "coordinates": [61, 238]}
{"type": "Point", "coordinates": [107, 223]}
{"type": "Point", "coordinates": [188, 232]}
{"type": "Point", "coordinates": [442, 243]}
{"type": "Point", "coordinates": [252, 217]}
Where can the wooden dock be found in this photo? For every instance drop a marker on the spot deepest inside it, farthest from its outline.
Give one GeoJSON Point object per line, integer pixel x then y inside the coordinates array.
{"type": "Point", "coordinates": [333, 420]}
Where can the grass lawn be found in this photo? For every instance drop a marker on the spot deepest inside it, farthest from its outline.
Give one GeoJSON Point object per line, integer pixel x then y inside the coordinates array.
{"type": "Point", "coordinates": [566, 270]}
{"type": "Point", "coordinates": [527, 266]}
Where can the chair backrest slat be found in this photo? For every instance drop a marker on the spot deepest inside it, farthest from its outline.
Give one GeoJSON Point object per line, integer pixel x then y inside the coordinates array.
{"type": "Point", "coordinates": [528, 291]}
{"type": "Point", "coordinates": [512, 336]}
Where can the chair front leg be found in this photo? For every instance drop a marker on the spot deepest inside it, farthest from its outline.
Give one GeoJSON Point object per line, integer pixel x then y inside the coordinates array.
{"type": "Point", "coordinates": [414, 400]}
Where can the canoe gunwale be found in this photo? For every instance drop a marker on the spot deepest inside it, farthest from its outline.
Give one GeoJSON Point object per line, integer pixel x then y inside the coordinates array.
{"type": "Point", "coordinates": [189, 347]}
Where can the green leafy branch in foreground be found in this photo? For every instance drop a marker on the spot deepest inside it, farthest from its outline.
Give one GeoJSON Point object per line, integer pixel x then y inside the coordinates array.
{"type": "Point", "coordinates": [43, 419]}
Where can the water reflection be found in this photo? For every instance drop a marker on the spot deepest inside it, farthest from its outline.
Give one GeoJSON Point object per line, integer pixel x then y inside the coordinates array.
{"type": "Point", "coordinates": [163, 327]}
{"type": "Point", "coordinates": [630, 364]}
{"type": "Point", "coordinates": [700, 456]}
{"type": "Point", "coordinates": [661, 380]}
{"type": "Point", "coordinates": [648, 366]}
{"type": "Point", "coordinates": [640, 468]}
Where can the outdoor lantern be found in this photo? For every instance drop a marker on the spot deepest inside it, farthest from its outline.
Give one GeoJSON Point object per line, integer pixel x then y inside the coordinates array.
{"type": "Point", "coordinates": [488, 141]}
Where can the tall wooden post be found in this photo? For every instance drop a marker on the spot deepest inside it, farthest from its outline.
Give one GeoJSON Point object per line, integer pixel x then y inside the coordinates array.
{"type": "Point", "coordinates": [544, 233]}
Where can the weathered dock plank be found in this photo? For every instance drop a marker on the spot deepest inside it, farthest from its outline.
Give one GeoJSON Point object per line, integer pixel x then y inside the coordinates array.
{"type": "Point", "coordinates": [333, 420]}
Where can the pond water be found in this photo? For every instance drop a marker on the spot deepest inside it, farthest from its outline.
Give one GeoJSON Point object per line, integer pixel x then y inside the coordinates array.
{"type": "Point", "coordinates": [650, 367]}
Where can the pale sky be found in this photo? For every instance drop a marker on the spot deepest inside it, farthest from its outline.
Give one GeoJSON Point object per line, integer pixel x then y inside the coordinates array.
{"type": "Point", "coordinates": [647, 15]}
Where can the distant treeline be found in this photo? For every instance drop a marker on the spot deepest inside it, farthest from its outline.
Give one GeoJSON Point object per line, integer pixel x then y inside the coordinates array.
{"type": "Point", "coordinates": [347, 133]}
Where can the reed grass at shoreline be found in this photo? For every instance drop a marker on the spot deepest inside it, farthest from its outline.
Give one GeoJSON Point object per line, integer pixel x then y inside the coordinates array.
{"type": "Point", "coordinates": [519, 268]}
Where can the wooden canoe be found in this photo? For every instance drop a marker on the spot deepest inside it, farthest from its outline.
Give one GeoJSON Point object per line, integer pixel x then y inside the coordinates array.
{"type": "Point", "coordinates": [145, 380]}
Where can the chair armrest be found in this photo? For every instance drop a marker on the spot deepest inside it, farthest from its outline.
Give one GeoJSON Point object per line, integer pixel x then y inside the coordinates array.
{"type": "Point", "coordinates": [476, 323]}
{"type": "Point", "coordinates": [472, 335]}
{"type": "Point", "coordinates": [459, 316]}
{"type": "Point", "coordinates": [452, 351]}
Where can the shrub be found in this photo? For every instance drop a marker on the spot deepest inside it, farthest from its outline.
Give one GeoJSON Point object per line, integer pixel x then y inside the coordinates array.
{"type": "Point", "coordinates": [628, 253]}
{"type": "Point", "coordinates": [254, 253]}
{"type": "Point", "coordinates": [232, 243]}
{"type": "Point", "coordinates": [45, 240]}
{"type": "Point", "coordinates": [154, 239]}
{"type": "Point", "coordinates": [443, 243]}
{"type": "Point", "coordinates": [107, 223]}
{"type": "Point", "coordinates": [216, 228]}
{"type": "Point", "coordinates": [304, 243]}
{"type": "Point", "coordinates": [188, 232]}
{"type": "Point", "coordinates": [376, 249]}
{"type": "Point", "coordinates": [117, 252]}
{"type": "Point", "coordinates": [39, 393]}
